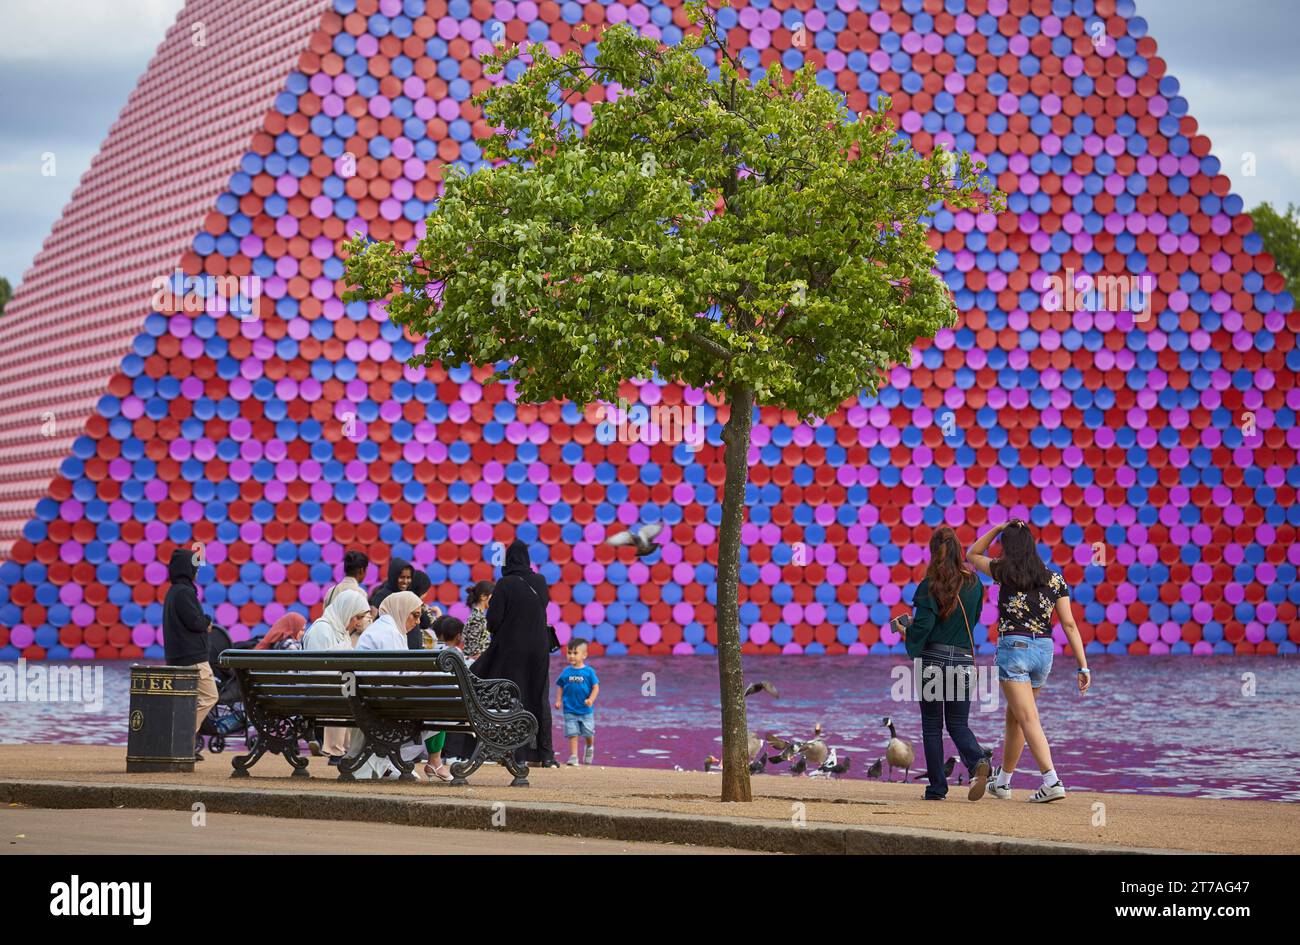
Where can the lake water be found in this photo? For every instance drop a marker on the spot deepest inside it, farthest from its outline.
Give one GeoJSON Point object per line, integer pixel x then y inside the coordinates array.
{"type": "Point", "coordinates": [1173, 725]}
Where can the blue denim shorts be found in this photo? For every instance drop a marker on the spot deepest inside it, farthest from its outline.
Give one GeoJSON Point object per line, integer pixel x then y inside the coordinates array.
{"type": "Point", "coordinates": [579, 726]}
{"type": "Point", "coordinates": [1024, 659]}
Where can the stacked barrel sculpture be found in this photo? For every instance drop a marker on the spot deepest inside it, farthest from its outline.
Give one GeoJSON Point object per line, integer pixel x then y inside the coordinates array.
{"type": "Point", "coordinates": [1122, 374]}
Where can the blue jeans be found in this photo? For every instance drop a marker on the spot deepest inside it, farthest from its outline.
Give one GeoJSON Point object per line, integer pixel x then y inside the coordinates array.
{"type": "Point", "coordinates": [1025, 659]}
{"type": "Point", "coordinates": [951, 709]}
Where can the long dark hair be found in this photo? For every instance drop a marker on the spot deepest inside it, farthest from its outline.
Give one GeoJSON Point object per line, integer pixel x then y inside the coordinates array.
{"type": "Point", "coordinates": [948, 572]}
{"type": "Point", "coordinates": [476, 592]}
{"type": "Point", "coordinates": [1019, 569]}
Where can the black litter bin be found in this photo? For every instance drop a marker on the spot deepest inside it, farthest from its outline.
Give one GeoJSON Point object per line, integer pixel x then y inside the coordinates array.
{"type": "Point", "coordinates": [161, 721]}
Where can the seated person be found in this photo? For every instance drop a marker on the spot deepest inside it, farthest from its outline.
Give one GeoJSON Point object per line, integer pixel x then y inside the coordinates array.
{"type": "Point", "coordinates": [449, 633]}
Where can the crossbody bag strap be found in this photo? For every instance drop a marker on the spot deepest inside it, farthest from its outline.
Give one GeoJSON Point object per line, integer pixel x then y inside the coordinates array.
{"type": "Point", "coordinates": [970, 636]}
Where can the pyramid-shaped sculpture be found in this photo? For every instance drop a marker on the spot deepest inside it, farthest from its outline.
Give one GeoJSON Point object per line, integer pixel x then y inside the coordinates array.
{"type": "Point", "coordinates": [1123, 374]}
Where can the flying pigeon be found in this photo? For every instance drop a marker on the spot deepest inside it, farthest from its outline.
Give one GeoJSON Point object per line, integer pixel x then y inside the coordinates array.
{"type": "Point", "coordinates": [641, 538]}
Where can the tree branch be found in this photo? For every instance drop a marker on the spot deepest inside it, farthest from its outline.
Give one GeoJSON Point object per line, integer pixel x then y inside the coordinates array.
{"type": "Point", "coordinates": [709, 345]}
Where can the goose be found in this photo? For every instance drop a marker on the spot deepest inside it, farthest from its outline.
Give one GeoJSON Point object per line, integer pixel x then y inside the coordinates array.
{"type": "Point", "coordinates": [874, 770]}
{"type": "Point", "coordinates": [899, 752]}
{"type": "Point", "coordinates": [816, 751]}
{"type": "Point", "coordinates": [639, 538]}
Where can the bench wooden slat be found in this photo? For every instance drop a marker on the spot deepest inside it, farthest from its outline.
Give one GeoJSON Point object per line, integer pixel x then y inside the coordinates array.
{"type": "Point", "coordinates": [336, 678]}
{"type": "Point", "coordinates": [281, 688]}
{"type": "Point", "coordinates": [406, 706]}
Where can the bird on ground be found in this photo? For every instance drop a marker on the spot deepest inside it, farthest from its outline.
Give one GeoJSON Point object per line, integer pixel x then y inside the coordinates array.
{"type": "Point", "coordinates": [640, 538]}
{"type": "Point", "coordinates": [899, 752]}
{"type": "Point", "coordinates": [758, 764]}
{"type": "Point", "coordinates": [712, 764]}
{"type": "Point", "coordinates": [800, 765]}
{"type": "Point", "coordinates": [874, 770]}
{"type": "Point", "coordinates": [833, 766]}
{"type": "Point", "coordinates": [947, 770]}
{"type": "Point", "coordinates": [763, 686]}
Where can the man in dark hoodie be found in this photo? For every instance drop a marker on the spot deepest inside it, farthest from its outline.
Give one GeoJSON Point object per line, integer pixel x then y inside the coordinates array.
{"type": "Point", "coordinates": [185, 631]}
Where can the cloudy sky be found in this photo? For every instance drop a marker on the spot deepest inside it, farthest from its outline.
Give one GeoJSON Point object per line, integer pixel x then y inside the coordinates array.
{"type": "Point", "coordinates": [67, 67]}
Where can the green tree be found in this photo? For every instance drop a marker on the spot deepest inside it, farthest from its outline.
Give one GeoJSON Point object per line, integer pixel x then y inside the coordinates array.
{"type": "Point", "coordinates": [1281, 235]}
{"type": "Point", "coordinates": [738, 234]}
{"type": "Point", "coordinates": [6, 293]}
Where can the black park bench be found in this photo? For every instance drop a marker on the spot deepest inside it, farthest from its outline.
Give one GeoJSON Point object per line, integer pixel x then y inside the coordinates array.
{"type": "Point", "coordinates": [390, 696]}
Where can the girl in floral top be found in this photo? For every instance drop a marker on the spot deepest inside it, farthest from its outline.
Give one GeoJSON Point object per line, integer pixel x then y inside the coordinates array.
{"type": "Point", "coordinates": [1029, 593]}
{"type": "Point", "coordinates": [477, 637]}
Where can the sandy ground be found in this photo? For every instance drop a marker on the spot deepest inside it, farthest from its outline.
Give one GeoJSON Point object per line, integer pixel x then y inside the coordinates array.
{"type": "Point", "coordinates": [1226, 826]}
{"type": "Point", "coordinates": [31, 831]}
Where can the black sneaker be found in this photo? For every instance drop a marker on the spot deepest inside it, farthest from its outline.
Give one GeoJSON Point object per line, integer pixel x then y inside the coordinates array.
{"type": "Point", "coordinates": [334, 760]}
{"type": "Point", "coordinates": [979, 779]}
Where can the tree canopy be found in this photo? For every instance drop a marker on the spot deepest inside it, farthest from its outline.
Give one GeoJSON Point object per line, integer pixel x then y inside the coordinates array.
{"type": "Point", "coordinates": [705, 230]}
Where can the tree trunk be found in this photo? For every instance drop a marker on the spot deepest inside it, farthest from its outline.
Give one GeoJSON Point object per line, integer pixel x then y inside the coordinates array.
{"type": "Point", "coordinates": [731, 676]}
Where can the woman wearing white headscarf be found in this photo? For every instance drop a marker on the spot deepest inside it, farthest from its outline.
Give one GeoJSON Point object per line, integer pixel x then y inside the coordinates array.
{"type": "Point", "coordinates": [399, 613]}
{"type": "Point", "coordinates": [346, 616]}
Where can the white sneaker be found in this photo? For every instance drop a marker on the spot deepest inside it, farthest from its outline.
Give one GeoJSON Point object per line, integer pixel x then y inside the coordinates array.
{"type": "Point", "coordinates": [573, 761]}
{"type": "Point", "coordinates": [1001, 793]}
{"type": "Point", "coordinates": [1045, 794]}
{"type": "Point", "coordinates": [589, 756]}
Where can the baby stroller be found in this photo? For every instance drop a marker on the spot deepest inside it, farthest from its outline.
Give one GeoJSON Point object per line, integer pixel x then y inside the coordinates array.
{"type": "Point", "coordinates": [226, 717]}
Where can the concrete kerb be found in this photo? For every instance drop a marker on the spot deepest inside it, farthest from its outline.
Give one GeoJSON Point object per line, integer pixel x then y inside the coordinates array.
{"type": "Point", "coordinates": [521, 816]}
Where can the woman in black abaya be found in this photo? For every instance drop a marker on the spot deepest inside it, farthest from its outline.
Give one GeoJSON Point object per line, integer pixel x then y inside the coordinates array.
{"type": "Point", "coordinates": [520, 647]}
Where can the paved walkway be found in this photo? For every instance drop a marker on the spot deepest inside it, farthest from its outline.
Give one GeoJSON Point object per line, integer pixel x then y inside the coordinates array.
{"type": "Point", "coordinates": [29, 830]}
{"type": "Point", "coordinates": [644, 804]}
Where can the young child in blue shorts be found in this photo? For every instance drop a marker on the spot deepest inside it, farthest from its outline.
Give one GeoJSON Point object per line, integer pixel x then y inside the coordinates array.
{"type": "Point", "coordinates": [576, 691]}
